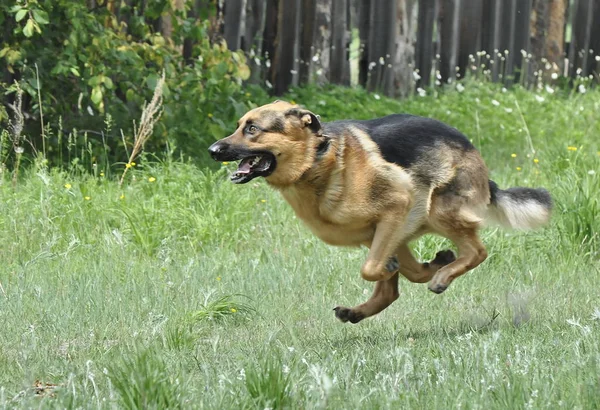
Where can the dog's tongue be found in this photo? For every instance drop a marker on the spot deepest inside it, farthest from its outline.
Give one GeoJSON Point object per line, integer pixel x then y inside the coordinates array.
{"type": "Point", "coordinates": [244, 167]}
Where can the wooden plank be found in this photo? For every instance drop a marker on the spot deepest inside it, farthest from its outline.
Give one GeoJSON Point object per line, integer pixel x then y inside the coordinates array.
{"type": "Point", "coordinates": [269, 37]}
{"type": "Point", "coordinates": [232, 26]}
{"type": "Point", "coordinates": [382, 45]}
{"type": "Point", "coordinates": [424, 49]}
{"type": "Point", "coordinates": [308, 13]}
{"type": "Point", "coordinates": [252, 41]}
{"type": "Point", "coordinates": [487, 28]}
{"type": "Point", "coordinates": [405, 47]}
{"type": "Point", "coordinates": [470, 34]}
{"type": "Point", "coordinates": [593, 64]}
{"type": "Point", "coordinates": [283, 63]}
{"type": "Point", "coordinates": [507, 40]}
{"type": "Point", "coordinates": [522, 43]}
{"type": "Point", "coordinates": [498, 53]}
{"type": "Point", "coordinates": [449, 26]}
{"type": "Point", "coordinates": [364, 12]}
{"type": "Point", "coordinates": [581, 36]}
{"type": "Point", "coordinates": [338, 54]}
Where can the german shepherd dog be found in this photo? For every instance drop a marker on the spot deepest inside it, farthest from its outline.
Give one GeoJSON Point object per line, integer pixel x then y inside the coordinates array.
{"type": "Point", "coordinates": [380, 183]}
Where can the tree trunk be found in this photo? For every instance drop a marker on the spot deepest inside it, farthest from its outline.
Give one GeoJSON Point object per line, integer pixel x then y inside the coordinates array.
{"type": "Point", "coordinates": [404, 63]}
{"type": "Point", "coordinates": [234, 11]}
{"type": "Point", "coordinates": [338, 55]}
{"type": "Point", "coordinates": [322, 40]}
{"type": "Point", "coordinates": [309, 11]}
{"type": "Point", "coordinates": [283, 62]}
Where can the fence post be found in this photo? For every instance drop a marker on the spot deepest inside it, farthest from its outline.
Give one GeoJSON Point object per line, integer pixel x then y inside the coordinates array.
{"type": "Point", "coordinates": [307, 30]}
{"type": "Point", "coordinates": [424, 49]}
{"type": "Point", "coordinates": [283, 63]}
{"type": "Point", "coordinates": [252, 44]}
{"type": "Point", "coordinates": [234, 10]}
{"type": "Point", "coordinates": [338, 54]}
{"type": "Point", "coordinates": [470, 33]}
{"type": "Point", "coordinates": [449, 18]}
{"type": "Point", "coordinates": [522, 41]}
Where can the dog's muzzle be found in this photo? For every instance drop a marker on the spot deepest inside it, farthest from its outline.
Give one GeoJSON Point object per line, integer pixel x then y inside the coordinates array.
{"type": "Point", "coordinates": [219, 151]}
{"type": "Point", "coordinates": [252, 163]}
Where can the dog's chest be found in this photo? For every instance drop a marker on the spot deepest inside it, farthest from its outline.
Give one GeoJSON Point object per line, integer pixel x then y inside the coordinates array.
{"type": "Point", "coordinates": [340, 226]}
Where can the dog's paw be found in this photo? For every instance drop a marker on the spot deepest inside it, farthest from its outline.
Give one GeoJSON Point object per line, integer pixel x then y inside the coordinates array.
{"type": "Point", "coordinates": [348, 315]}
{"type": "Point", "coordinates": [443, 258]}
{"type": "Point", "coordinates": [437, 287]}
{"type": "Point", "coordinates": [393, 265]}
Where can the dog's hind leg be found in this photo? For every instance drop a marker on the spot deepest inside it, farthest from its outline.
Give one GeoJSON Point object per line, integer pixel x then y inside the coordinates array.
{"type": "Point", "coordinates": [421, 272]}
{"type": "Point", "coordinates": [471, 252]}
{"type": "Point", "coordinates": [385, 293]}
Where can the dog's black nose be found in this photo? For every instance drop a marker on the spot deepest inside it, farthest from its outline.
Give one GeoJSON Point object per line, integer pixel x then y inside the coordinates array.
{"type": "Point", "coordinates": [217, 149]}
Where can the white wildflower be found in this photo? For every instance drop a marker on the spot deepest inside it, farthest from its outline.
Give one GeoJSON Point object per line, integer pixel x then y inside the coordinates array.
{"type": "Point", "coordinates": [508, 110]}
{"type": "Point", "coordinates": [554, 76]}
{"type": "Point", "coordinates": [592, 172]}
{"type": "Point", "coordinates": [376, 96]}
{"type": "Point", "coordinates": [549, 89]}
{"type": "Point", "coordinates": [495, 102]}
{"type": "Point", "coordinates": [416, 75]}
{"type": "Point", "coordinates": [539, 98]}
{"type": "Point", "coordinates": [460, 88]}
{"type": "Point", "coordinates": [422, 92]}
{"type": "Point", "coordinates": [581, 89]}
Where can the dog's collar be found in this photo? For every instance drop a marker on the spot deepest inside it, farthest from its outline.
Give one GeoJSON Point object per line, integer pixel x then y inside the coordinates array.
{"type": "Point", "coordinates": [323, 147]}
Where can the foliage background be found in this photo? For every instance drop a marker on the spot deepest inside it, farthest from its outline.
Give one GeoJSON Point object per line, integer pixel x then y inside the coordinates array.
{"type": "Point", "coordinates": [89, 66]}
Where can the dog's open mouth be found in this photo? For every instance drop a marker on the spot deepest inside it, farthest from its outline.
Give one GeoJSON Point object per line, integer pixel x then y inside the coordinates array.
{"type": "Point", "coordinates": [253, 166]}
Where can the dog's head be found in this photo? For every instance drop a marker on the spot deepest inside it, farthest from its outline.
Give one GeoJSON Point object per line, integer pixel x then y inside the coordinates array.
{"type": "Point", "coordinates": [276, 141]}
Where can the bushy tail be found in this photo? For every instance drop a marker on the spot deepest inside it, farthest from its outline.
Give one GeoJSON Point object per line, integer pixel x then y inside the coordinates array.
{"type": "Point", "coordinates": [519, 208]}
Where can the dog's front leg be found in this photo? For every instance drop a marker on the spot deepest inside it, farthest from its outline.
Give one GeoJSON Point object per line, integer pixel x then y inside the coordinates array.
{"type": "Point", "coordinates": [381, 263]}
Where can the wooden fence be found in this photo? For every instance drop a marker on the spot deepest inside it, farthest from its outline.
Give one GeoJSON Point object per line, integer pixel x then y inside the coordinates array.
{"type": "Point", "coordinates": [394, 46]}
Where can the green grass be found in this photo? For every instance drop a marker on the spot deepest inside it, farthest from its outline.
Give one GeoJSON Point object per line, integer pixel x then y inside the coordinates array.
{"type": "Point", "coordinates": [192, 292]}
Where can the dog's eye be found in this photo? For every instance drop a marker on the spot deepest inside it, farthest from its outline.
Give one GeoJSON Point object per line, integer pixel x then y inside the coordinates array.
{"type": "Point", "coordinates": [252, 129]}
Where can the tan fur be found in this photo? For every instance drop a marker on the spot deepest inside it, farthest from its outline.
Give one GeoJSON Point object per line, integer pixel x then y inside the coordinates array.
{"type": "Point", "coordinates": [351, 196]}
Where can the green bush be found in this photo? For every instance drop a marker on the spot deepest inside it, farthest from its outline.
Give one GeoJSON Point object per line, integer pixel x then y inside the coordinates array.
{"type": "Point", "coordinates": [93, 68]}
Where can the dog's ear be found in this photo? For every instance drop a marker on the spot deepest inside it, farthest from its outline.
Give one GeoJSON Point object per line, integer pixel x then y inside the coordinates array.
{"type": "Point", "coordinates": [308, 119]}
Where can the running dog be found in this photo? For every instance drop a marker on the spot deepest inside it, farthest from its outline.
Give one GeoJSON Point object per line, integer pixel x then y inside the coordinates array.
{"type": "Point", "coordinates": [380, 183]}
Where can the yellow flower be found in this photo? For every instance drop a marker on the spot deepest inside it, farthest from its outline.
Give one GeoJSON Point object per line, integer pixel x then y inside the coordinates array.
{"type": "Point", "coordinates": [263, 200]}
{"type": "Point", "coordinates": [535, 160]}
{"type": "Point", "coordinates": [122, 196]}
{"type": "Point", "coordinates": [513, 155]}
{"type": "Point", "coordinates": [572, 148]}
{"type": "Point", "coordinates": [233, 310]}
{"type": "Point", "coordinates": [518, 168]}
{"type": "Point", "coordinates": [225, 163]}
{"type": "Point", "coordinates": [68, 186]}
{"type": "Point", "coordinates": [247, 94]}
{"type": "Point", "coordinates": [151, 179]}
{"type": "Point", "coordinates": [128, 165]}
{"type": "Point", "coordinates": [87, 198]}
{"type": "Point", "coordinates": [101, 174]}
{"type": "Point", "coordinates": [210, 115]}
{"type": "Point", "coordinates": [218, 278]}
{"type": "Point", "coordinates": [132, 164]}
{"type": "Point", "coordinates": [292, 102]}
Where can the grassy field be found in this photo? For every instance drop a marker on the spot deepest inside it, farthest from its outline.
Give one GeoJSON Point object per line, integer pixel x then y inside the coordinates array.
{"type": "Point", "coordinates": [183, 290]}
